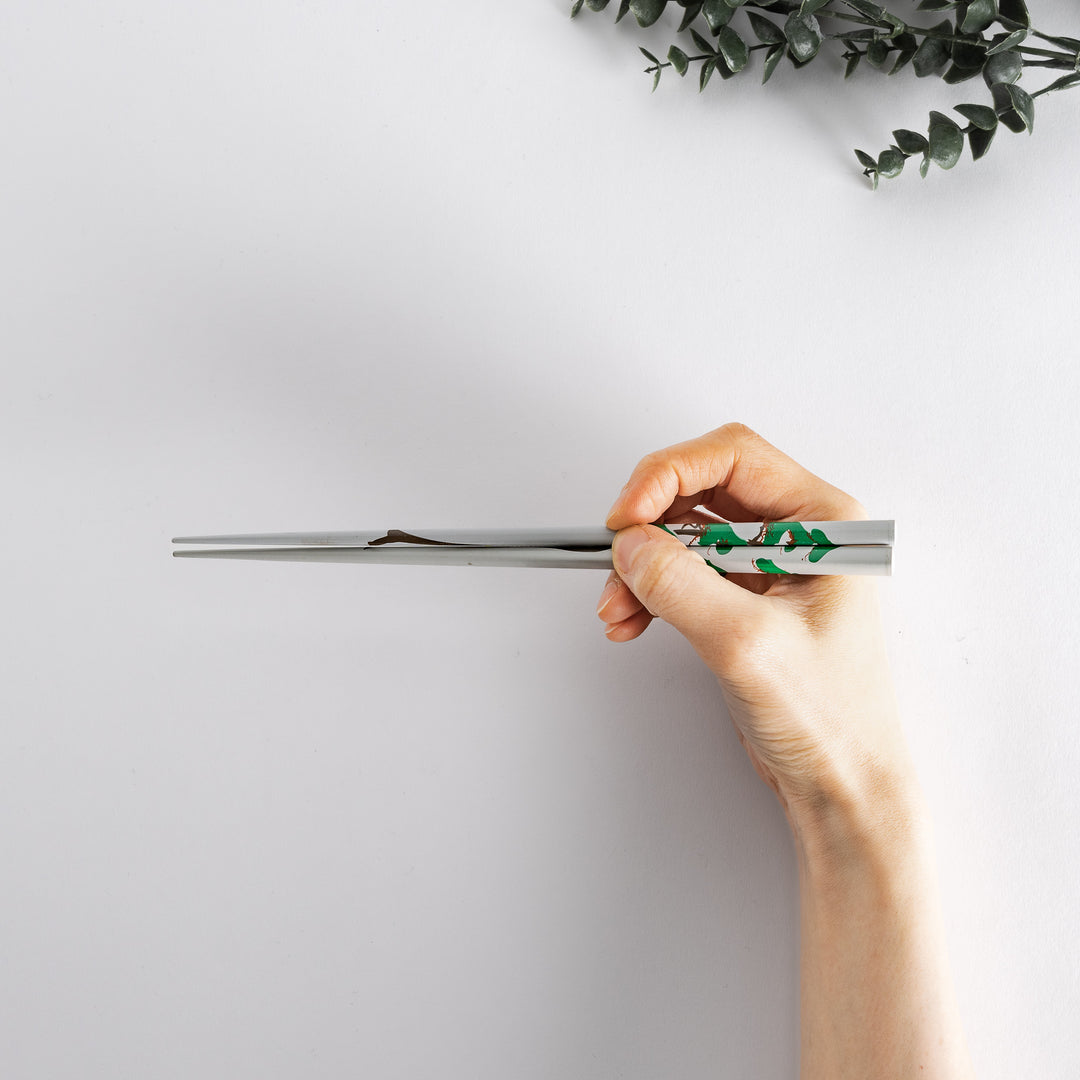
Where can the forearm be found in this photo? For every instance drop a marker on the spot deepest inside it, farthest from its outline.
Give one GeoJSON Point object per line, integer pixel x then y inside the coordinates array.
{"type": "Point", "coordinates": [877, 998]}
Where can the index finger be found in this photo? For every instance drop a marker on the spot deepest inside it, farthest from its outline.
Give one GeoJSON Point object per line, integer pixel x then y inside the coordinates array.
{"type": "Point", "coordinates": [730, 467]}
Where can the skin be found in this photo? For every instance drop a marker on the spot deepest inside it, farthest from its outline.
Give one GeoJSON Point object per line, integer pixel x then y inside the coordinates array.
{"type": "Point", "coordinates": [802, 666]}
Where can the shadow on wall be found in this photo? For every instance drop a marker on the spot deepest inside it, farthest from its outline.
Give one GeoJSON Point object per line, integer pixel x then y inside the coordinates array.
{"type": "Point", "coordinates": [680, 948]}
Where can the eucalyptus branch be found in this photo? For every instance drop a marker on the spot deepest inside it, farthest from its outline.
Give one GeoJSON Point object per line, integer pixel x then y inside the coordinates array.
{"type": "Point", "coordinates": [958, 48]}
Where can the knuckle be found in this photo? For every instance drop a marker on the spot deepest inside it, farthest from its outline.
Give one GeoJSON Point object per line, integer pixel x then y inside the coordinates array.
{"type": "Point", "coordinates": [738, 430]}
{"type": "Point", "coordinates": [651, 462]}
{"type": "Point", "coordinates": [738, 434]}
{"type": "Point", "coordinates": [851, 508]}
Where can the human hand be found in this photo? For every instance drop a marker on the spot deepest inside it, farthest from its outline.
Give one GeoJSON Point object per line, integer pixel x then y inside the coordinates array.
{"type": "Point", "coordinates": [801, 659]}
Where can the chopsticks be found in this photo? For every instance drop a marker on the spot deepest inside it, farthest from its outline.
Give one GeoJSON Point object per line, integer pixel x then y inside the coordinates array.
{"type": "Point", "coordinates": [775, 547]}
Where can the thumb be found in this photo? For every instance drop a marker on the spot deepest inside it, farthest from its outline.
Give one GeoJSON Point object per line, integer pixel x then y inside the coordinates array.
{"type": "Point", "coordinates": [679, 587]}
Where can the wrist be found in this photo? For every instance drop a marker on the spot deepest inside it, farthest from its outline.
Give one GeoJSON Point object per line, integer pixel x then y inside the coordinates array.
{"type": "Point", "coordinates": [876, 996]}
{"type": "Point", "coordinates": [874, 821]}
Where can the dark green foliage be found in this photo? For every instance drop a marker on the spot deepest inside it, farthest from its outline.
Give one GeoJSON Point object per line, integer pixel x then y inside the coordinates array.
{"type": "Point", "coordinates": [1003, 67]}
{"type": "Point", "coordinates": [772, 58]}
{"type": "Point", "coordinates": [979, 141]}
{"type": "Point", "coordinates": [981, 116]}
{"type": "Point", "coordinates": [717, 14]}
{"type": "Point", "coordinates": [1015, 107]}
{"type": "Point", "coordinates": [979, 15]}
{"type": "Point", "coordinates": [890, 162]}
{"type": "Point", "coordinates": [679, 60]}
{"type": "Point", "coordinates": [983, 37]}
{"type": "Point", "coordinates": [733, 49]}
{"type": "Point", "coordinates": [1015, 12]}
{"type": "Point", "coordinates": [690, 13]}
{"type": "Point", "coordinates": [910, 142]}
{"type": "Point", "coordinates": [803, 35]}
{"type": "Point", "coordinates": [933, 52]}
{"type": "Point", "coordinates": [867, 10]}
{"type": "Point", "coordinates": [1006, 41]}
{"type": "Point", "coordinates": [765, 29]}
{"type": "Point", "coordinates": [647, 11]}
{"type": "Point", "coordinates": [907, 45]}
{"type": "Point", "coordinates": [946, 140]}
{"type": "Point", "coordinates": [877, 52]}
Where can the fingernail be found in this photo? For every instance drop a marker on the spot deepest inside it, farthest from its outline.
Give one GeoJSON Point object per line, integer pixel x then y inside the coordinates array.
{"type": "Point", "coordinates": [619, 498]}
{"type": "Point", "coordinates": [607, 596]}
{"type": "Point", "coordinates": [625, 547]}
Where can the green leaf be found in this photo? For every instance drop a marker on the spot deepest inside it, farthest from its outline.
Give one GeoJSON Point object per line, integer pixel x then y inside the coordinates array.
{"type": "Point", "coordinates": [982, 116]}
{"type": "Point", "coordinates": [717, 14]}
{"type": "Point", "coordinates": [765, 30]}
{"type": "Point", "coordinates": [1004, 106]}
{"type": "Point", "coordinates": [647, 11]}
{"type": "Point", "coordinates": [576, 8]}
{"type": "Point", "coordinates": [902, 60]}
{"type": "Point", "coordinates": [924, 166]}
{"type": "Point", "coordinates": [624, 8]}
{"type": "Point", "coordinates": [1024, 104]}
{"type": "Point", "coordinates": [1014, 11]}
{"type": "Point", "coordinates": [979, 15]}
{"type": "Point", "coordinates": [946, 140]}
{"type": "Point", "coordinates": [938, 5]}
{"type": "Point", "coordinates": [772, 58]}
{"type": "Point", "coordinates": [810, 6]}
{"type": "Point", "coordinates": [733, 49]}
{"type": "Point", "coordinates": [704, 45]}
{"type": "Point", "coordinates": [679, 60]}
{"type": "Point", "coordinates": [1009, 41]}
{"type": "Point", "coordinates": [890, 163]}
{"type": "Point", "coordinates": [932, 55]}
{"type": "Point", "coordinates": [898, 25]}
{"type": "Point", "coordinates": [690, 13]}
{"type": "Point", "coordinates": [906, 42]}
{"type": "Point", "coordinates": [1063, 82]}
{"type": "Point", "coordinates": [980, 141]}
{"type": "Point", "coordinates": [941, 118]}
{"type": "Point", "coordinates": [958, 75]}
{"type": "Point", "coordinates": [803, 35]}
{"type": "Point", "coordinates": [597, 5]}
{"type": "Point", "coordinates": [878, 53]}
{"type": "Point", "coordinates": [911, 142]}
{"type": "Point", "coordinates": [1068, 43]}
{"type": "Point", "coordinates": [706, 74]}
{"type": "Point", "coordinates": [1003, 67]}
{"type": "Point", "coordinates": [852, 63]}
{"type": "Point", "coordinates": [969, 54]}
{"type": "Point", "coordinates": [863, 7]}
{"type": "Point", "coordinates": [866, 159]}
{"type": "Point", "coordinates": [648, 55]}
{"type": "Point", "coordinates": [656, 79]}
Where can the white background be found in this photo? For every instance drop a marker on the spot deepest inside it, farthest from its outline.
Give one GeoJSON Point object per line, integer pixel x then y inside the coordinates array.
{"type": "Point", "coordinates": [329, 265]}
